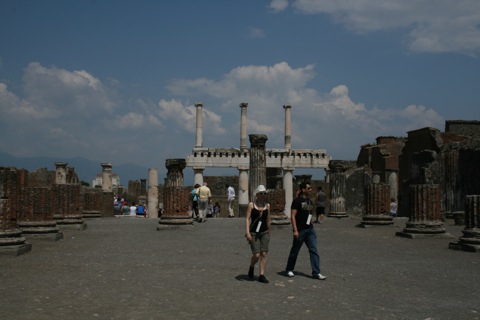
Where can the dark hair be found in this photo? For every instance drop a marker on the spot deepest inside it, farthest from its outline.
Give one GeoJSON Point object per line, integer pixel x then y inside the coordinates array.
{"type": "Point", "coordinates": [197, 185]}
{"type": "Point", "coordinates": [303, 185]}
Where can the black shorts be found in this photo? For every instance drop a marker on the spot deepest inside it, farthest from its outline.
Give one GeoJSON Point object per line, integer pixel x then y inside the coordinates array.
{"type": "Point", "coordinates": [320, 210]}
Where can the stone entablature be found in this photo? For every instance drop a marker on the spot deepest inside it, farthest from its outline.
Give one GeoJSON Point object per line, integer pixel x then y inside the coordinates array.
{"type": "Point", "coordinates": [275, 158]}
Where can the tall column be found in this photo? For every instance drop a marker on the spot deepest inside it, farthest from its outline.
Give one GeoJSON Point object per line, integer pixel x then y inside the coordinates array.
{"type": "Point", "coordinates": [242, 191]}
{"type": "Point", "coordinates": [243, 126]}
{"type": "Point", "coordinates": [425, 219]}
{"type": "Point", "coordinates": [199, 124]}
{"type": "Point", "coordinates": [60, 172]}
{"type": "Point", "coordinates": [288, 186]}
{"type": "Point", "coordinates": [176, 197]}
{"type": "Point", "coordinates": [288, 132]}
{"type": "Point", "coordinates": [106, 176]}
{"type": "Point", "coordinates": [377, 206]}
{"type": "Point", "coordinates": [338, 189]}
{"type": "Point", "coordinates": [143, 187]}
{"type": "Point", "coordinates": [152, 208]}
{"type": "Point", "coordinates": [470, 241]}
{"type": "Point", "coordinates": [258, 163]}
{"type": "Point", "coordinates": [451, 203]}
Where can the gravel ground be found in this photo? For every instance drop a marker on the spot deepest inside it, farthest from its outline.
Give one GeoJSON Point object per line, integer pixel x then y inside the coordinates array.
{"type": "Point", "coordinates": [124, 268]}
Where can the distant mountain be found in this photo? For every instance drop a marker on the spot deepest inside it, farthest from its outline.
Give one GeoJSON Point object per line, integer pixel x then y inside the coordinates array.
{"type": "Point", "coordinates": [85, 169]}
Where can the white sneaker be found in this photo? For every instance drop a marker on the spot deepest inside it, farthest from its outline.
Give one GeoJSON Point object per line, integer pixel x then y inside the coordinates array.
{"type": "Point", "coordinates": [320, 277]}
{"type": "Point", "coordinates": [290, 274]}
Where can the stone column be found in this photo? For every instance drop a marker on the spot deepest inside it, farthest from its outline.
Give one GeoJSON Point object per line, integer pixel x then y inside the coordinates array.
{"type": "Point", "coordinates": [425, 219]}
{"type": "Point", "coordinates": [377, 206]}
{"type": "Point", "coordinates": [451, 204]}
{"type": "Point", "coordinates": [107, 206]}
{"type": "Point", "coordinates": [143, 187]}
{"type": "Point", "coordinates": [242, 191]}
{"type": "Point", "coordinates": [152, 208]}
{"type": "Point", "coordinates": [243, 126]}
{"type": "Point", "coordinates": [338, 189]}
{"type": "Point", "coordinates": [258, 163]}
{"type": "Point", "coordinates": [288, 133]}
{"type": "Point", "coordinates": [106, 177]}
{"type": "Point", "coordinates": [60, 172]}
{"type": "Point", "coordinates": [176, 197]}
{"type": "Point", "coordinates": [199, 124]}
{"type": "Point", "coordinates": [198, 175]}
{"type": "Point", "coordinates": [470, 241]}
{"type": "Point", "coordinates": [11, 240]}
{"type": "Point", "coordinates": [288, 186]}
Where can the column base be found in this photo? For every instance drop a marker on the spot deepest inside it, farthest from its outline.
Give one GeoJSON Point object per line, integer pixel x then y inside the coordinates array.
{"type": "Point", "coordinates": [338, 215]}
{"type": "Point", "coordinates": [280, 220]}
{"type": "Point", "coordinates": [12, 243]}
{"type": "Point", "coordinates": [91, 214]}
{"type": "Point", "coordinates": [172, 222]}
{"type": "Point", "coordinates": [376, 220]}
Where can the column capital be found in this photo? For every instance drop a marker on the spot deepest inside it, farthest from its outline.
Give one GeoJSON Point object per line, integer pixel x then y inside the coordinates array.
{"type": "Point", "coordinates": [199, 104]}
{"type": "Point", "coordinates": [243, 105]}
{"type": "Point", "coordinates": [287, 106]}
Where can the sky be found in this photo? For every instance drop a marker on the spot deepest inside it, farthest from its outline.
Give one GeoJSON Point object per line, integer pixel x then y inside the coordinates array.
{"type": "Point", "coordinates": [117, 80]}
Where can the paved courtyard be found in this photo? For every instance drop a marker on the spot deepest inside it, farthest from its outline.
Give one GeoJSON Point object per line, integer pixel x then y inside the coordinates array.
{"type": "Point", "coordinates": [123, 268]}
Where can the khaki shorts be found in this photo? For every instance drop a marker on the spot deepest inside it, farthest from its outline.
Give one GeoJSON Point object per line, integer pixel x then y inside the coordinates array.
{"type": "Point", "coordinates": [260, 242]}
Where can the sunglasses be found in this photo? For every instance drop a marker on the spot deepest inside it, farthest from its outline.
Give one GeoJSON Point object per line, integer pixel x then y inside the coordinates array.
{"type": "Point", "coordinates": [262, 193]}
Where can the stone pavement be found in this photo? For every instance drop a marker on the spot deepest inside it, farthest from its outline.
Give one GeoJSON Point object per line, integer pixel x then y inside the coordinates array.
{"type": "Point", "coordinates": [123, 268]}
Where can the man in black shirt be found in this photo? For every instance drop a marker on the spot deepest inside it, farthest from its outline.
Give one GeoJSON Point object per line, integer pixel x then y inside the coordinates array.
{"type": "Point", "coordinates": [303, 232]}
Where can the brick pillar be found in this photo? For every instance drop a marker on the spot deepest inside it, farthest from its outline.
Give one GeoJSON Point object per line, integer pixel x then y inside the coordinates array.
{"type": "Point", "coordinates": [338, 189]}
{"type": "Point", "coordinates": [377, 206]}
{"type": "Point", "coordinates": [176, 197]}
{"type": "Point", "coordinates": [67, 206]}
{"type": "Point", "coordinates": [36, 215]}
{"type": "Point", "coordinates": [92, 203]}
{"type": "Point", "coordinates": [11, 240]}
{"type": "Point", "coordinates": [425, 219]}
{"type": "Point", "coordinates": [450, 160]}
{"type": "Point", "coordinates": [470, 241]}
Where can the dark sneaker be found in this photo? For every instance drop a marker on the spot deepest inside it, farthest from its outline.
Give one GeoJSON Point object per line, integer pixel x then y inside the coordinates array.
{"type": "Point", "coordinates": [250, 272]}
{"type": "Point", "coordinates": [262, 279]}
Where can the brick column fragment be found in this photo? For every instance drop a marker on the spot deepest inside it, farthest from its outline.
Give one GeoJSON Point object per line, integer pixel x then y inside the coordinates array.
{"type": "Point", "coordinates": [425, 218]}
{"type": "Point", "coordinates": [471, 234]}
{"type": "Point", "coordinates": [92, 203]}
{"type": "Point", "coordinates": [35, 218]}
{"type": "Point", "coordinates": [153, 193]}
{"type": "Point", "coordinates": [67, 205]}
{"type": "Point", "coordinates": [11, 240]}
{"type": "Point", "coordinates": [377, 204]}
{"type": "Point", "coordinates": [176, 197]}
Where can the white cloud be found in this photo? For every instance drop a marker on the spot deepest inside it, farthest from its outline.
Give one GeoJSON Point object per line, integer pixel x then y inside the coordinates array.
{"type": "Point", "coordinates": [434, 25]}
{"type": "Point", "coordinates": [278, 5]}
{"type": "Point", "coordinates": [42, 123]}
{"type": "Point", "coordinates": [255, 33]}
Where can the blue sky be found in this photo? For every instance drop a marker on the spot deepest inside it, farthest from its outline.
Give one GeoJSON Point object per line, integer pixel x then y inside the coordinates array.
{"type": "Point", "coordinates": [117, 80]}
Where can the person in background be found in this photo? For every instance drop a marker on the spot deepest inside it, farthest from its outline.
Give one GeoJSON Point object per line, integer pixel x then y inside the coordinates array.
{"type": "Point", "coordinates": [393, 207]}
{"type": "Point", "coordinates": [125, 209]}
{"type": "Point", "coordinates": [204, 198]}
{"type": "Point", "coordinates": [230, 200]}
{"type": "Point", "coordinates": [216, 210]}
{"type": "Point", "coordinates": [320, 203]}
{"type": "Point", "coordinates": [194, 199]}
{"type": "Point", "coordinates": [141, 210]}
{"type": "Point", "coordinates": [133, 210]}
{"type": "Point", "coordinates": [303, 232]}
{"type": "Point", "coordinates": [257, 231]}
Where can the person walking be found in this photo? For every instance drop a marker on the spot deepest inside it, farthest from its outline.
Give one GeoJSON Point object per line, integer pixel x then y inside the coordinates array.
{"type": "Point", "coordinates": [194, 199]}
{"type": "Point", "coordinates": [303, 232]}
{"type": "Point", "coordinates": [230, 200]}
{"type": "Point", "coordinates": [320, 203]}
{"type": "Point", "coordinates": [393, 207]}
{"type": "Point", "coordinates": [204, 198]}
{"type": "Point", "coordinates": [257, 231]}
